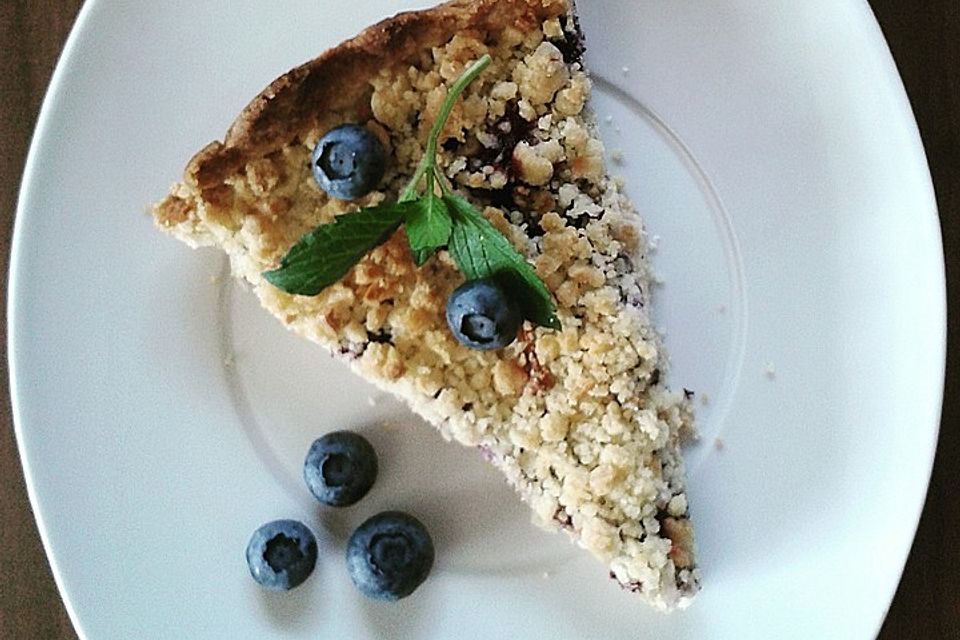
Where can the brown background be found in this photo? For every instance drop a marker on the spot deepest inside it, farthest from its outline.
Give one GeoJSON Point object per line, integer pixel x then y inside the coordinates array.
{"type": "Point", "coordinates": [925, 39]}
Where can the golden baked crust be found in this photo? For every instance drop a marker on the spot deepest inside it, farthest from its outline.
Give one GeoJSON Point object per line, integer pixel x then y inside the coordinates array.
{"type": "Point", "coordinates": [337, 78]}
{"type": "Point", "coordinates": [579, 420]}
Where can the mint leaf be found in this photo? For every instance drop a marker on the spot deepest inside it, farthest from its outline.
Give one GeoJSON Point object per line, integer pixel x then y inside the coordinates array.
{"type": "Point", "coordinates": [428, 226]}
{"type": "Point", "coordinates": [327, 253]}
{"type": "Point", "coordinates": [481, 251]}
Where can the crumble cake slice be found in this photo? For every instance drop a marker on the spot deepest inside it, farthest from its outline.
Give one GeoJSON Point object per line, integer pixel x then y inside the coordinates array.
{"type": "Point", "coordinates": [578, 420]}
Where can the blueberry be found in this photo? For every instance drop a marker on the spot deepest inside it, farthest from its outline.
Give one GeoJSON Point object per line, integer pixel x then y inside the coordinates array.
{"type": "Point", "coordinates": [389, 555]}
{"type": "Point", "coordinates": [340, 468]}
{"type": "Point", "coordinates": [348, 162]}
{"type": "Point", "coordinates": [481, 315]}
{"type": "Point", "coordinates": [281, 554]}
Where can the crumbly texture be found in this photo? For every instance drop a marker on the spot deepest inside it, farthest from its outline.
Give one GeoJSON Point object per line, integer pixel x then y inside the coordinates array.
{"type": "Point", "coordinates": [578, 420]}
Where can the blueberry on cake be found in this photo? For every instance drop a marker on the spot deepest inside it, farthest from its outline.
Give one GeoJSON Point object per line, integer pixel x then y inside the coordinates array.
{"type": "Point", "coordinates": [428, 201]}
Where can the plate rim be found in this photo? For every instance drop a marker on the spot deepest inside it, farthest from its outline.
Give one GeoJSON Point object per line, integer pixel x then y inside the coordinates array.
{"type": "Point", "coordinates": [40, 133]}
{"type": "Point", "coordinates": [920, 158]}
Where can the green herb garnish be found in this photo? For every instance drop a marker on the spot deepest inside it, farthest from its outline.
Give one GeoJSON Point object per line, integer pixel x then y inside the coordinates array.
{"type": "Point", "coordinates": [432, 221]}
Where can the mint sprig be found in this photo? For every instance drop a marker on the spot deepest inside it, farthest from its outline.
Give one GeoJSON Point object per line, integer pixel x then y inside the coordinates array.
{"type": "Point", "coordinates": [432, 221]}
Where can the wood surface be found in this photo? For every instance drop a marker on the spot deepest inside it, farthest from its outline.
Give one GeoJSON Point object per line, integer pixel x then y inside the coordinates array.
{"type": "Point", "coordinates": [925, 40]}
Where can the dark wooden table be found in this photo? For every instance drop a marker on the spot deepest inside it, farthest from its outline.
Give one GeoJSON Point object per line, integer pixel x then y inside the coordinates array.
{"type": "Point", "coordinates": [925, 39]}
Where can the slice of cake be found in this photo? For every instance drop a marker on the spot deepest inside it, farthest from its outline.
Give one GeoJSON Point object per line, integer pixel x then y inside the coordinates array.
{"type": "Point", "coordinates": [577, 418]}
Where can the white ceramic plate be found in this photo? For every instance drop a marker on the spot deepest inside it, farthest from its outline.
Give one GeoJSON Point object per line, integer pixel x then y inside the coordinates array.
{"type": "Point", "coordinates": [162, 416]}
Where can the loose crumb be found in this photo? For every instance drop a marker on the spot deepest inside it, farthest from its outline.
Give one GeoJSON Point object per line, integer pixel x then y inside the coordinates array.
{"type": "Point", "coordinates": [617, 156]}
{"type": "Point", "coordinates": [546, 575]}
{"type": "Point", "coordinates": [229, 360]}
{"type": "Point", "coordinates": [769, 371]}
{"type": "Point", "coordinates": [371, 401]}
{"type": "Point", "coordinates": [609, 119]}
{"type": "Point", "coordinates": [625, 70]}
{"type": "Point", "coordinates": [717, 444]}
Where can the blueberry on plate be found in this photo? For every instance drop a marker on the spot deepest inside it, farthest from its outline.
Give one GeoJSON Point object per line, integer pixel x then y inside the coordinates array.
{"type": "Point", "coordinates": [481, 315]}
{"type": "Point", "coordinates": [348, 162]}
{"type": "Point", "coordinates": [281, 554]}
{"type": "Point", "coordinates": [340, 468]}
{"type": "Point", "coordinates": [389, 555]}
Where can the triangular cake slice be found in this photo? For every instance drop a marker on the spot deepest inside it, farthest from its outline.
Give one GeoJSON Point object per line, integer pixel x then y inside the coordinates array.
{"type": "Point", "coordinates": [579, 420]}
